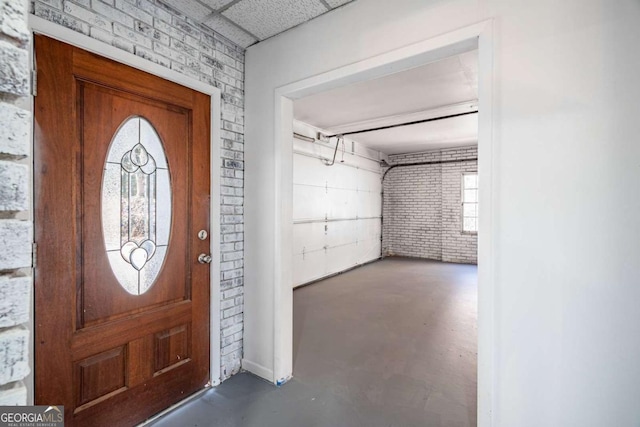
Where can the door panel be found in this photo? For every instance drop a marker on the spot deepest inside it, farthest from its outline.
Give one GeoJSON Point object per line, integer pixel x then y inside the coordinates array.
{"type": "Point", "coordinates": [110, 356]}
{"type": "Point", "coordinates": [102, 298]}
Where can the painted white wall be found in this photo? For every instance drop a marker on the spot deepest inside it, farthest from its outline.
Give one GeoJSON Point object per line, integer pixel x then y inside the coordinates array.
{"type": "Point", "coordinates": [564, 203]}
{"type": "Point", "coordinates": [336, 209]}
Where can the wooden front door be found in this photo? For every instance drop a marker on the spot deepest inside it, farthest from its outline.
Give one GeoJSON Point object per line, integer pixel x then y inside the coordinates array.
{"type": "Point", "coordinates": [121, 193]}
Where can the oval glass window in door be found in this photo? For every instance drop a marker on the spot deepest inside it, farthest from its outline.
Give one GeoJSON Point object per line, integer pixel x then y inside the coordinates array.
{"type": "Point", "coordinates": [136, 205]}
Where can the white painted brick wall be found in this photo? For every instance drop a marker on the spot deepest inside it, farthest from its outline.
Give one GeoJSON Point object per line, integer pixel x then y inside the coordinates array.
{"type": "Point", "coordinates": [15, 130]}
{"type": "Point", "coordinates": [14, 186]}
{"type": "Point", "coordinates": [158, 33]}
{"type": "Point", "coordinates": [15, 230]}
{"type": "Point", "coordinates": [13, 394]}
{"type": "Point", "coordinates": [14, 355]}
{"type": "Point", "coordinates": [15, 243]}
{"type": "Point", "coordinates": [422, 207]}
{"type": "Point", "coordinates": [14, 69]}
{"type": "Point", "coordinates": [15, 295]}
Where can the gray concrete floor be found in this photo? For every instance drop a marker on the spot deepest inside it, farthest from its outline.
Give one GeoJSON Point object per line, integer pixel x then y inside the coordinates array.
{"type": "Point", "coordinates": [392, 343]}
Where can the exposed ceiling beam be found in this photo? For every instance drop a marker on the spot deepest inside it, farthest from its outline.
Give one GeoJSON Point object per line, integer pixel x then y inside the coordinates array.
{"type": "Point", "coordinates": [415, 122]}
{"type": "Point", "coordinates": [390, 121]}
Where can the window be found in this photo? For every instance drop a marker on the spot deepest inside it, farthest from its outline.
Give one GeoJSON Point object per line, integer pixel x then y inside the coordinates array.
{"type": "Point", "coordinates": [470, 202]}
{"type": "Point", "coordinates": [136, 205]}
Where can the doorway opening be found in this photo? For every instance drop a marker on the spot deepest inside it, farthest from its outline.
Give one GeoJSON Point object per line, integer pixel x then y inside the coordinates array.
{"type": "Point", "coordinates": [478, 38]}
{"type": "Point", "coordinates": [385, 174]}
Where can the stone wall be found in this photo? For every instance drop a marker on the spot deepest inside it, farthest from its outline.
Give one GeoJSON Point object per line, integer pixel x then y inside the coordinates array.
{"type": "Point", "coordinates": [16, 225]}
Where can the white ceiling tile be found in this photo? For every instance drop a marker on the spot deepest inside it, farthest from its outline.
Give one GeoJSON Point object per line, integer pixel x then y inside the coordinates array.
{"type": "Point", "coordinates": [220, 25]}
{"type": "Point", "coordinates": [216, 4]}
{"type": "Point", "coordinates": [336, 3]}
{"type": "Point", "coordinates": [266, 18]}
{"type": "Point", "coordinates": [191, 8]}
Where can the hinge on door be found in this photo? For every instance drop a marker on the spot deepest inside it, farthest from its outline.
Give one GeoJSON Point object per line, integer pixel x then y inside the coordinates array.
{"type": "Point", "coordinates": [34, 254]}
{"type": "Point", "coordinates": [34, 82]}
{"type": "Point", "coordinates": [34, 72]}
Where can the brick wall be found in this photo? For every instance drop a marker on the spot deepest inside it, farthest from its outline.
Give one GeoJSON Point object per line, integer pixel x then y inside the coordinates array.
{"type": "Point", "coordinates": [456, 246]}
{"type": "Point", "coordinates": [156, 32]}
{"type": "Point", "coordinates": [422, 215]}
{"type": "Point", "coordinates": [15, 223]}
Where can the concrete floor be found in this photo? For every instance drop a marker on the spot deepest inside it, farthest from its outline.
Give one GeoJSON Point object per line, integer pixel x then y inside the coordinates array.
{"type": "Point", "coordinates": [392, 343]}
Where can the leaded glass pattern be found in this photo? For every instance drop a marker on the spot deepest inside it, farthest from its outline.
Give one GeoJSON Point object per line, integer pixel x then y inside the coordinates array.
{"type": "Point", "coordinates": [136, 205]}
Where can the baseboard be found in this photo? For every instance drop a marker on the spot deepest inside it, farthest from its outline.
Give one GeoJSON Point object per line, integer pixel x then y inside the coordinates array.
{"type": "Point", "coordinates": [327, 276]}
{"type": "Point", "coordinates": [258, 370]}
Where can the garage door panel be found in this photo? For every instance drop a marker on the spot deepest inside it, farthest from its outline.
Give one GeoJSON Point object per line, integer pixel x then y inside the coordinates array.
{"type": "Point", "coordinates": [368, 204]}
{"type": "Point", "coordinates": [309, 171]}
{"type": "Point", "coordinates": [341, 176]}
{"type": "Point", "coordinates": [308, 237]}
{"type": "Point", "coordinates": [342, 203]}
{"type": "Point", "coordinates": [341, 233]}
{"type": "Point", "coordinates": [309, 267]}
{"type": "Point", "coordinates": [369, 181]}
{"type": "Point", "coordinates": [341, 258]}
{"type": "Point", "coordinates": [368, 250]}
{"type": "Point", "coordinates": [309, 202]}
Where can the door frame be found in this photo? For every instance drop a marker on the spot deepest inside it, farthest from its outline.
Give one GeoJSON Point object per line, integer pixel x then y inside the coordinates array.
{"type": "Point", "coordinates": [415, 55]}
{"type": "Point", "coordinates": [41, 26]}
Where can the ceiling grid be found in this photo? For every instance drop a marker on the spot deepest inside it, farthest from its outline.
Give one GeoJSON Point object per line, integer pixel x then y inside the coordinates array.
{"type": "Point", "coordinates": [246, 22]}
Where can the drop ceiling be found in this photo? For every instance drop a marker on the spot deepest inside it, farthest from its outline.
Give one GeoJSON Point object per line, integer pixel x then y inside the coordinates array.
{"type": "Point", "coordinates": [441, 88]}
{"type": "Point", "coordinates": [246, 22]}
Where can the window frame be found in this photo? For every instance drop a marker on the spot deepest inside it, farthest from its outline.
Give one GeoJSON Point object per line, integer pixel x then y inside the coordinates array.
{"type": "Point", "coordinates": [462, 202]}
